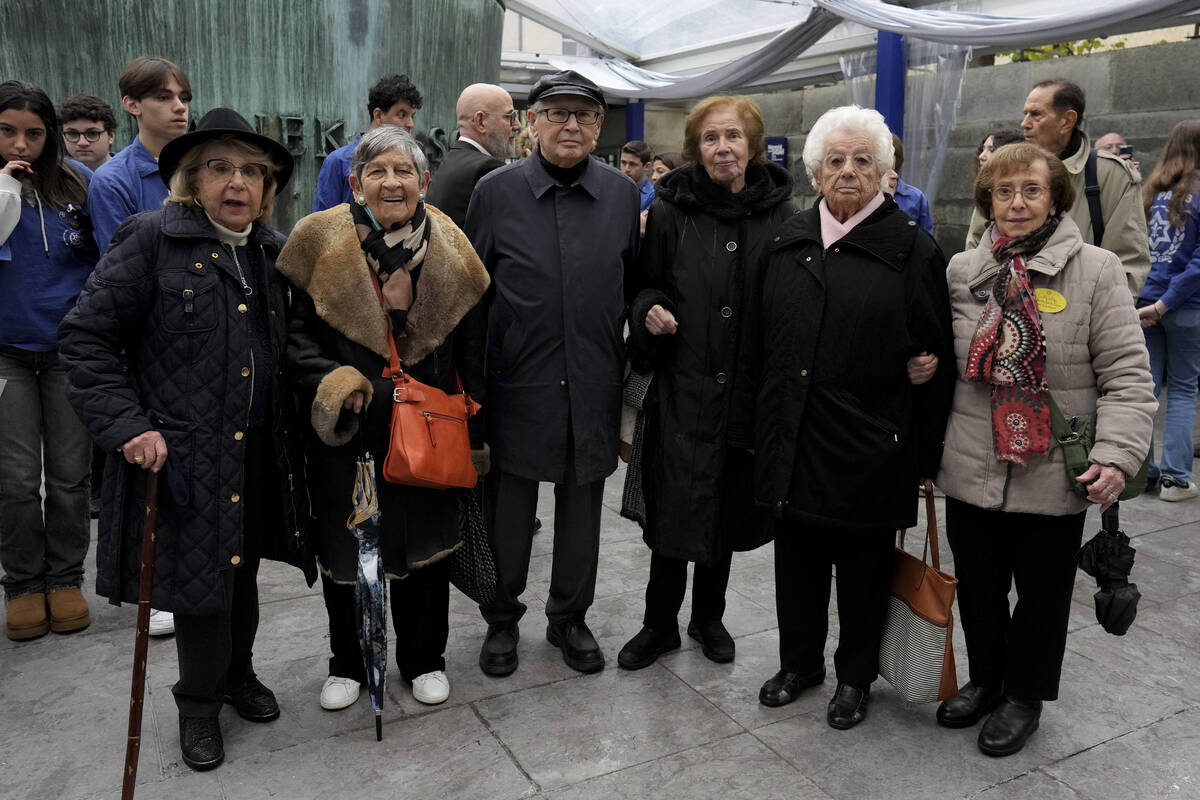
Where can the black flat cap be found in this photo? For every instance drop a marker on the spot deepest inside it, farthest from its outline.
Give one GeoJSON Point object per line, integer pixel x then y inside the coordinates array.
{"type": "Point", "coordinates": [567, 82]}
{"type": "Point", "coordinates": [225, 122]}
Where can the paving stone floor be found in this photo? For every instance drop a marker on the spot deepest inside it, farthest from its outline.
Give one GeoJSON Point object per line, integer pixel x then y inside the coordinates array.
{"type": "Point", "coordinates": [1127, 724]}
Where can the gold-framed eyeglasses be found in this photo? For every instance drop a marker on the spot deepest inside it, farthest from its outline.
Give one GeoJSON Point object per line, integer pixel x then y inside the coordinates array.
{"type": "Point", "coordinates": [91, 134]}
{"type": "Point", "coordinates": [1030, 191]}
{"type": "Point", "coordinates": [511, 116]}
{"type": "Point", "coordinates": [252, 172]}
{"type": "Point", "coordinates": [860, 162]}
{"type": "Point", "coordinates": [559, 116]}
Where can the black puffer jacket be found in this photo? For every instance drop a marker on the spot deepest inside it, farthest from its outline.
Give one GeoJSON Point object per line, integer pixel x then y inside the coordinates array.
{"type": "Point", "coordinates": [168, 296]}
{"type": "Point", "coordinates": [698, 260]}
{"type": "Point", "coordinates": [841, 435]}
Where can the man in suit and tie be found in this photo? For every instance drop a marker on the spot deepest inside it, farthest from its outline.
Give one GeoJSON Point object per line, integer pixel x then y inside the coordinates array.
{"type": "Point", "coordinates": [487, 129]}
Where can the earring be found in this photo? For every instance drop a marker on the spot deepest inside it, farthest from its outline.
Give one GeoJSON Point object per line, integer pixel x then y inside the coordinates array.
{"type": "Point", "coordinates": [421, 197]}
{"type": "Point", "coordinates": [361, 200]}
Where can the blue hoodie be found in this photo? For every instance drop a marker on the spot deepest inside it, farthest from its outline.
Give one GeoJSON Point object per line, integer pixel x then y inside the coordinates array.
{"type": "Point", "coordinates": [46, 254]}
{"type": "Point", "coordinates": [1174, 256]}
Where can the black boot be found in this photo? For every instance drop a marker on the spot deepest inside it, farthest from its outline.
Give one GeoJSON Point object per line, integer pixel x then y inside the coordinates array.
{"type": "Point", "coordinates": [1009, 726]}
{"type": "Point", "coordinates": [848, 706]}
{"type": "Point", "coordinates": [200, 742]}
{"type": "Point", "coordinates": [645, 648]}
{"type": "Point", "coordinates": [715, 642]}
{"type": "Point", "coordinates": [253, 701]}
{"type": "Point", "coordinates": [785, 686]}
{"type": "Point", "coordinates": [970, 706]}
{"type": "Point", "coordinates": [498, 656]}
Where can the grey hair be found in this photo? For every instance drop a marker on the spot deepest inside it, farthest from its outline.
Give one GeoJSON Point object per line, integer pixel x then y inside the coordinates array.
{"type": "Point", "coordinates": [849, 119]}
{"type": "Point", "coordinates": [378, 141]}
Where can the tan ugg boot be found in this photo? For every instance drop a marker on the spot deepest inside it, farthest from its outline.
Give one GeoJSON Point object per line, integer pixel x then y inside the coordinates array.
{"type": "Point", "coordinates": [68, 611]}
{"type": "Point", "coordinates": [26, 617]}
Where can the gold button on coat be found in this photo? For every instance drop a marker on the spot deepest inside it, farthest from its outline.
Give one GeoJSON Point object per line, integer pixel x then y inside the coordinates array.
{"type": "Point", "coordinates": [238, 435]}
{"type": "Point", "coordinates": [241, 308]}
{"type": "Point", "coordinates": [245, 372]}
{"type": "Point", "coordinates": [235, 560]}
{"type": "Point", "coordinates": [233, 498]}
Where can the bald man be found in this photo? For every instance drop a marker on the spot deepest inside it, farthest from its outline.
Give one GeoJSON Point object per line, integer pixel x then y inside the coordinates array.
{"type": "Point", "coordinates": [487, 130]}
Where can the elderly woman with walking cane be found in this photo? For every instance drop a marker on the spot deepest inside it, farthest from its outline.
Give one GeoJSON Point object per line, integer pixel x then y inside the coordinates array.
{"type": "Point", "coordinates": [189, 294]}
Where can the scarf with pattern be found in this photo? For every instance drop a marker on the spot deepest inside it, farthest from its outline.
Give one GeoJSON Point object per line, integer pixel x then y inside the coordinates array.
{"type": "Point", "coordinates": [1008, 352]}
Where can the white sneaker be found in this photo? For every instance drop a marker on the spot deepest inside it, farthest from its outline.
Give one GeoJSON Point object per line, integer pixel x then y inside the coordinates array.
{"type": "Point", "coordinates": [431, 688]}
{"type": "Point", "coordinates": [162, 623]}
{"type": "Point", "coordinates": [1173, 491]}
{"type": "Point", "coordinates": [338, 693]}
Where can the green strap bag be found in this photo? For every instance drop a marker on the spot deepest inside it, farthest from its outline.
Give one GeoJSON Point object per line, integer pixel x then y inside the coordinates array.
{"type": "Point", "coordinates": [1076, 436]}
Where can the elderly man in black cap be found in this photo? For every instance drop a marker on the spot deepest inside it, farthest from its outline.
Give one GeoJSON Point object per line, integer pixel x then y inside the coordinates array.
{"type": "Point", "coordinates": [557, 231]}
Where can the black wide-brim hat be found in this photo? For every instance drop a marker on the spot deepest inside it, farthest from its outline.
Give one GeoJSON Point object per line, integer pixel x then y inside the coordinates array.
{"type": "Point", "coordinates": [225, 122]}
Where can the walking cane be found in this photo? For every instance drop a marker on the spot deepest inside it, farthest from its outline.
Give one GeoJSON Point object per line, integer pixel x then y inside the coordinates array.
{"type": "Point", "coordinates": [137, 689]}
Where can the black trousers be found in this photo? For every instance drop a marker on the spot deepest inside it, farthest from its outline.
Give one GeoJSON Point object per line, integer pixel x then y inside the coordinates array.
{"type": "Point", "coordinates": [420, 607]}
{"type": "Point", "coordinates": [512, 503]}
{"type": "Point", "coordinates": [1024, 648]}
{"type": "Point", "coordinates": [216, 650]}
{"type": "Point", "coordinates": [668, 584]}
{"type": "Point", "coordinates": [804, 557]}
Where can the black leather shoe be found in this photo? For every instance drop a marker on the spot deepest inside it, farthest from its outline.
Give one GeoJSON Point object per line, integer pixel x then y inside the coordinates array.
{"type": "Point", "coordinates": [579, 648]}
{"type": "Point", "coordinates": [645, 648]}
{"type": "Point", "coordinates": [253, 701]}
{"type": "Point", "coordinates": [786, 687]}
{"type": "Point", "coordinates": [848, 706]}
{"type": "Point", "coordinates": [715, 642]}
{"type": "Point", "coordinates": [498, 656]}
{"type": "Point", "coordinates": [969, 706]}
{"type": "Point", "coordinates": [1009, 726]}
{"type": "Point", "coordinates": [200, 742]}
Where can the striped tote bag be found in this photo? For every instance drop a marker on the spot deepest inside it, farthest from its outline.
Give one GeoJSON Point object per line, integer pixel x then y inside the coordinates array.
{"type": "Point", "coordinates": [916, 654]}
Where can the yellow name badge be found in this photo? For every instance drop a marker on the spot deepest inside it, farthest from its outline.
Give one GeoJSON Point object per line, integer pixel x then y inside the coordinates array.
{"type": "Point", "coordinates": [1049, 301]}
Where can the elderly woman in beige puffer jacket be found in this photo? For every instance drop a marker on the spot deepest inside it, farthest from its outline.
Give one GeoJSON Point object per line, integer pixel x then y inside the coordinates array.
{"type": "Point", "coordinates": [1036, 312]}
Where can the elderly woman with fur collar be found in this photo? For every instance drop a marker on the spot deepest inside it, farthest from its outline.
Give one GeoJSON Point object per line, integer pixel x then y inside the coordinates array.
{"type": "Point", "coordinates": [432, 283]}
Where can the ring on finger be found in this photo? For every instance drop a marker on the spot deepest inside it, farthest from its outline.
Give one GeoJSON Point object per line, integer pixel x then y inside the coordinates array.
{"type": "Point", "coordinates": [138, 459]}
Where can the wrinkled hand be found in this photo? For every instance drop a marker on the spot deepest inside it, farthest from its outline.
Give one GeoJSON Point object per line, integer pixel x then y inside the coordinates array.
{"type": "Point", "coordinates": [1105, 484]}
{"type": "Point", "coordinates": [921, 368]}
{"type": "Point", "coordinates": [146, 450]}
{"type": "Point", "coordinates": [354, 402]}
{"type": "Point", "coordinates": [659, 321]}
{"type": "Point", "coordinates": [398, 292]}
{"type": "Point", "coordinates": [17, 169]}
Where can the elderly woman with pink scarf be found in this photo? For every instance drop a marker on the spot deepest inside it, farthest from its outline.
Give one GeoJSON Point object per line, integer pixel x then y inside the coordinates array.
{"type": "Point", "coordinates": [851, 290]}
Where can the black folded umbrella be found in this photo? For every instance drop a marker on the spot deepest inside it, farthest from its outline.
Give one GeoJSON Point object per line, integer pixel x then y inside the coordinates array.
{"type": "Point", "coordinates": [1108, 558]}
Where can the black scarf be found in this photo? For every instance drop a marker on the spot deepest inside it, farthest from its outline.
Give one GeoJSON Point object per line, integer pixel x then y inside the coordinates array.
{"type": "Point", "coordinates": [409, 244]}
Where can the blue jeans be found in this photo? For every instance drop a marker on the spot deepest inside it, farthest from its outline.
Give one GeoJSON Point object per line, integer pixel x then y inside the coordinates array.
{"type": "Point", "coordinates": [1174, 345]}
{"type": "Point", "coordinates": [42, 546]}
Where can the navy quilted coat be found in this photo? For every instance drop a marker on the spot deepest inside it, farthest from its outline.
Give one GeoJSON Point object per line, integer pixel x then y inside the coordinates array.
{"type": "Point", "coordinates": [168, 296]}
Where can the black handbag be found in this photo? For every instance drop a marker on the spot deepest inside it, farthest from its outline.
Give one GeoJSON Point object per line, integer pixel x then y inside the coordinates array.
{"type": "Point", "coordinates": [473, 564]}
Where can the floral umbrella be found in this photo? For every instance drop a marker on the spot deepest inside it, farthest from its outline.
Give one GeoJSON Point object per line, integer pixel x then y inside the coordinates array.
{"type": "Point", "coordinates": [370, 591]}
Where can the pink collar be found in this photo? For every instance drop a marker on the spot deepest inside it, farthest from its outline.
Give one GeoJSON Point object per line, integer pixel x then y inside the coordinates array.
{"type": "Point", "coordinates": [832, 230]}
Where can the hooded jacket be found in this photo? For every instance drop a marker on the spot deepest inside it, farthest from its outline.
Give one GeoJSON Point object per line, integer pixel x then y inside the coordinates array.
{"type": "Point", "coordinates": [699, 259]}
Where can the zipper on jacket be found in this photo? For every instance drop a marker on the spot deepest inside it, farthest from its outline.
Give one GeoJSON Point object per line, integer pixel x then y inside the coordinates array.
{"type": "Point", "coordinates": [237, 264]}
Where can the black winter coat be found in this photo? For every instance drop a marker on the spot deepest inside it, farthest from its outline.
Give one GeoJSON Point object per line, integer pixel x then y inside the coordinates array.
{"type": "Point", "coordinates": [451, 187]}
{"type": "Point", "coordinates": [841, 435]}
{"type": "Point", "coordinates": [337, 343]}
{"type": "Point", "coordinates": [699, 260]}
{"type": "Point", "coordinates": [558, 256]}
{"type": "Point", "coordinates": [167, 295]}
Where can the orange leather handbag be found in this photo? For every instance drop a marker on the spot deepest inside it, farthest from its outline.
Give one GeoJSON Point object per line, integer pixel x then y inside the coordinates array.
{"type": "Point", "coordinates": [428, 444]}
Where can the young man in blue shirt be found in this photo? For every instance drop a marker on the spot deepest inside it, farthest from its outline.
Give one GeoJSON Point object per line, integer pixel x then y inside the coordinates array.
{"type": "Point", "coordinates": [156, 93]}
{"type": "Point", "coordinates": [394, 100]}
{"type": "Point", "coordinates": [635, 162]}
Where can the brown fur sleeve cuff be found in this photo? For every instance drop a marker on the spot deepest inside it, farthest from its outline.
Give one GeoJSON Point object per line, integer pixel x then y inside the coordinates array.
{"type": "Point", "coordinates": [332, 426]}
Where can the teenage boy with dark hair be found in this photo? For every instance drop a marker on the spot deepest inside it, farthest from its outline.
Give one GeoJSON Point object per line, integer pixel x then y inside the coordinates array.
{"type": "Point", "coordinates": [88, 128]}
{"type": "Point", "coordinates": [156, 93]}
{"type": "Point", "coordinates": [394, 100]}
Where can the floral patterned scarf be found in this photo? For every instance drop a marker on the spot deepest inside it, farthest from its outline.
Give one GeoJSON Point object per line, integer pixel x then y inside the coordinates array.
{"type": "Point", "coordinates": [1008, 352]}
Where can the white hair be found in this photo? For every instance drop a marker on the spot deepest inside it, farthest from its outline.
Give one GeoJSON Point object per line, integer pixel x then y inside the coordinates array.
{"type": "Point", "coordinates": [849, 119]}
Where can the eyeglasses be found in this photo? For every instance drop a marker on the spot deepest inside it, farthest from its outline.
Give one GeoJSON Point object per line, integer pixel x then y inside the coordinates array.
{"type": "Point", "coordinates": [91, 134]}
{"type": "Point", "coordinates": [511, 116]}
{"type": "Point", "coordinates": [861, 162]}
{"type": "Point", "coordinates": [252, 172]}
{"type": "Point", "coordinates": [559, 116]}
{"type": "Point", "coordinates": [1030, 191]}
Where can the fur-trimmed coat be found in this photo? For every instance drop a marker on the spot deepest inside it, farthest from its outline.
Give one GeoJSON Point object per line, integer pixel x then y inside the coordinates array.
{"type": "Point", "coordinates": [337, 344]}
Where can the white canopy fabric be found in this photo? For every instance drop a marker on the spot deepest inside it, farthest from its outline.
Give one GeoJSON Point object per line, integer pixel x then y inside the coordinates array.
{"type": "Point", "coordinates": [1069, 19]}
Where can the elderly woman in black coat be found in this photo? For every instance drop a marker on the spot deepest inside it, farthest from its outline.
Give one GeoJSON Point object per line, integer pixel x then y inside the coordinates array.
{"type": "Point", "coordinates": [851, 291]}
{"type": "Point", "coordinates": [189, 296]}
{"type": "Point", "coordinates": [704, 234]}
{"type": "Point", "coordinates": [431, 282]}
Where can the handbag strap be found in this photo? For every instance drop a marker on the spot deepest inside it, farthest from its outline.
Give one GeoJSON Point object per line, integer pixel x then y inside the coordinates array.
{"type": "Point", "coordinates": [1075, 449]}
{"type": "Point", "coordinates": [931, 529]}
{"type": "Point", "coordinates": [395, 369]}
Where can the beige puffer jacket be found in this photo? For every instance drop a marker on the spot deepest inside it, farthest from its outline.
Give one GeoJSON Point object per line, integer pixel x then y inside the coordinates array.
{"type": "Point", "coordinates": [1096, 361]}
